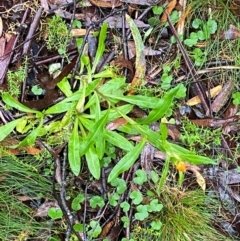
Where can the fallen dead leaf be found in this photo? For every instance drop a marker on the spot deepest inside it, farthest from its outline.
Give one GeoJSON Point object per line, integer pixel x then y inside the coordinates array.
{"type": "Point", "coordinates": [196, 100]}
{"type": "Point", "coordinates": [168, 10]}
{"type": "Point", "coordinates": [222, 97]}
{"type": "Point", "coordinates": [105, 4]}
{"type": "Point", "coordinates": [199, 178]}
{"type": "Point", "coordinates": [76, 32]}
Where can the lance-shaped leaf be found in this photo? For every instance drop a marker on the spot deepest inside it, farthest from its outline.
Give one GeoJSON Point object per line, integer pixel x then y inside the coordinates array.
{"type": "Point", "coordinates": [31, 138]}
{"type": "Point", "coordinates": [9, 100]}
{"type": "Point", "coordinates": [127, 161]}
{"type": "Point", "coordinates": [5, 130]}
{"type": "Point", "coordinates": [101, 46]}
{"type": "Point", "coordinates": [118, 140]}
{"type": "Point", "coordinates": [140, 64]}
{"type": "Point", "coordinates": [93, 162]}
{"type": "Point", "coordinates": [97, 131]}
{"type": "Point", "coordinates": [139, 100]}
{"type": "Point", "coordinates": [74, 150]}
{"type": "Point", "coordinates": [163, 105]}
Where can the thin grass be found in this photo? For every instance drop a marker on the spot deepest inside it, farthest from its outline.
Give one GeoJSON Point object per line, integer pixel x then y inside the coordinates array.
{"type": "Point", "coordinates": [21, 177]}
{"type": "Point", "coordinates": [186, 215]}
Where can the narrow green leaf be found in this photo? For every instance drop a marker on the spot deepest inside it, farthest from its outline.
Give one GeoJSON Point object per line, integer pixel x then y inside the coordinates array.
{"type": "Point", "coordinates": [101, 46]}
{"type": "Point", "coordinates": [127, 161]}
{"type": "Point", "coordinates": [180, 153]}
{"type": "Point", "coordinates": [140, 63]}
{"type": "Point", "coordinates": [65, 87]}
{"type": "Point", "coordinates": [74, 150]}
{"type": "Point", "coordinates": [60, 107]}
{"type": "Point", "coordinates": [139, 100]}
{"type": "Point", "coordinates": [162, 106]}
{"type": "Point", "coordinates": [9, 100]}
{"type": "Point", "coordinates": [97, 131]}
{"type": "Point", "coordinates": [6, 129]}
{"type": "Point", "coordinates": [117, 140]}
{"type": "Point", "coordinates": [93, 162]}
{"type": "Point", "coordinates": [112, 85]}
{"type": "Point", "coordinates": [114, 114]}
{"type": "Point", "coordinates": [31, 138]}
{"type": "Point", "coordinates": [173, 150]}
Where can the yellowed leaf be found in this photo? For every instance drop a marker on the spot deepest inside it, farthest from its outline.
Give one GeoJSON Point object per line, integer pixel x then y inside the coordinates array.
{"type": "Point", "coordinates": [199, 178]}
{"type": "Point", "coordinates": [213, 92]}
{"type": "Point", "coordinates": [76, 32]}
{"type": "Point", "coordinates": [168, 10]}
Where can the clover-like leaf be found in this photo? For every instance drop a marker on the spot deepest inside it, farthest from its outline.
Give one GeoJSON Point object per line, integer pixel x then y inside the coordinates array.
{"type": "Point", "coordinates": [141, 177]}
{"type": "Point", "coordinates": [136, 196]}
{"type": "Point", "coordinates": [96, 201]}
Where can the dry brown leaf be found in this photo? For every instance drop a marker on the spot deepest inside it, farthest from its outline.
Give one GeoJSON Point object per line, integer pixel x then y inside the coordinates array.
{"type": "Point", "coordinates": [105, 4]}
{"type": "Point", "coordinates": [199, 178]}
{"type": "Point", "coordinates": [168, 10]}
{"type": "Point", "coordinates": [196, 100]}
{"type": "Point", "coordinates": [232, 33]}
{"type": "Point", "coordinates": [223, 96]}
{"type": "Point", "coordinates": [113, 125]}
{"type": "Point", "coordinates": [183, 17]}
{"type": "Point", "coordinates": [76, 32]}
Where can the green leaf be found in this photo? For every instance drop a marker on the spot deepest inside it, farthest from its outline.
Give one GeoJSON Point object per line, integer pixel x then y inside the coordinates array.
{"type": "Point", "coordinates": [236, 98]}
{"type": "Point", "coordinates": [157, 10]}
{"type": "Point", "coordinates": [140, 62]}
{"type": "Point", "coordinates": [9, 100]}
{"type": "Point", "coordinates": [141, 177]}
{"type": "Point", "coordinates": [96, 201]}
{"type": "Point", "coordinates": [114, 114]}
{"type": "Point", "coordinates": [154, 176]}
{"type": "Point", "coordinates": [65, 87]}
{"type": "Point", "coordinates": [127, 161]}
{"type": "Point", "coordinates": [156, 225]}
{"type": "Point", "coordinates": [6, 129]}
{"type": "Point", "coordinates": [120, 184]}
{"type": "Point", "coordinates": [74, 150]}
{"type": "Point", "coordinates": [76, 24]}
{"type": "Point", "coordinates": [77, 200]}
{"type": "Point", "coordinates": [101, 46]}
{"type": "Point", "coordinates": [197, 23]}
{"type": "Point", "coordinates": [161, 108]}
{"type": "Point", "coordinates": [55, 213]}
{"type": "Point", "coordinates": [118, 140]}
{"type": "Point", "coordinates": [141, 213]}
{"type": "Point", "coordinates": [37, 90]}
{"type": "Point", "coordinates": [96, 229]}
{"type": "Point", "coordinates": [97, 131]}
{"type": "Point", "coordinates": [125, 206]}
{"type": "Point", "coordinates": [113, 199]}
{"type": "Point", "coordinates": [154, 21]}
{"type": "Point", "coordinates": [112, 85]}
{"type": "Point", "coordinates": [93, 162]}
{"type": "Point", "coordinates": [137, 197]}
{"type": "Point", "coordinates": [212, 26]}
{"type": "Point", "coordinates": [139, 100]}
{"type": "Point", "coordinates": [180, 153]}
{"type": "Point", "coordinates": [126, 222]}
{"type": "Point", "coordinates": [155, 206]}
{"type": "Point", "coordinates": [31, 138]}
